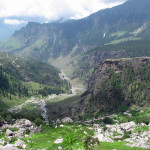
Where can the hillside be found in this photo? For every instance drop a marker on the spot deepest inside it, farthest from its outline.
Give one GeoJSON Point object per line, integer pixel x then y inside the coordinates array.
{"type": "Point", "coordinates": [49, 42]}
{"type": "Point", "coordinates": [84, 65]}
{"type": "Point", "coordinates": [118, 85]}
{"type": "Point", "coordinates": [22, 78]}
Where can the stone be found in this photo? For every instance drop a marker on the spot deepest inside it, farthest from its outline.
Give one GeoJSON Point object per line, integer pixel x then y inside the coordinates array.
{"type": "Point", "coordinates": [95, 125]}
{"type": "Point", "coordinates": [85, 132]}
{"type": "Point", "coordinates": [57, 141]}
{"type": "Point", "coordinates": [9, 139]}
{"type": "Point", "coordinates": [118, 137]}
{"type": "Point", "coordinates": [9, 132]}
{"type": "Point", "coordinates": [58, 121]}
{"type": "Point", "coordinates": [8, 147]}
{"type": "Point", "coordinates": [39, 129]}
{"type": "Point", "coordinates": [5, 126]}
{"type": "Point", "coordinates": [143, 124]}
{"type": "Point", "coordinates": [19, 143]}
{"type": "Point", "coordinates": [66, 120]}
{"type": "Point", "coordinates": [60, 148]}
{"type": "Point", "coordinates": [103, 138]}
{"type": "Point", "coordinates": [24, 146]}
{"type": "Point", "coordinates": [28, 123]}
{"type": "Point", "coordinates": [22, 130]}
{"type": "Point", "coordinates": [2, 142]}
{"type": "Point", "coordinates": [128, 125]}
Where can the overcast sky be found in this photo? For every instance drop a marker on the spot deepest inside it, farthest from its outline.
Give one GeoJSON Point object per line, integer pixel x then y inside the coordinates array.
{"type": "Point", "coordinates": [52, 9]}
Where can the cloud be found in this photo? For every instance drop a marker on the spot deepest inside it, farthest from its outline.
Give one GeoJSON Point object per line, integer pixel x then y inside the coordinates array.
{"type": "Point", "coordinates": [54, 9]}
{"type": "Point", "coordinates": [14, 21]}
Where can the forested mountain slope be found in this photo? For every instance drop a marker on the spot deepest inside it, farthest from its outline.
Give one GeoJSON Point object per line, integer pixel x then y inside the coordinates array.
{"type": "Point", "coordinates": [21, 77]}
{"type": "Point", "coordinates": [129, 21]}
{"type": "Point", "coordinates": [117, 84]}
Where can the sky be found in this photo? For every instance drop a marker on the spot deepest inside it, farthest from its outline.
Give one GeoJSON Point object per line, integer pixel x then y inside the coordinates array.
{"type": "Point", "coordinates": [51, 9]}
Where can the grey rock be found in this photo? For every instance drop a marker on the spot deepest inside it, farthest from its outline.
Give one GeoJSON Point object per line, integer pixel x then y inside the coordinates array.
{"type": "Point", "coordinates": [8, 147]}
{"type": "Point", "coordinates": [9, 132]}
{"type": "Point", "coordinates": [19, 143]}
{"type": "Point", "coordinates": [67, 119]}
{"type": "Point", "coordinates": [9, 139]}
{"type": "Point", "coordinates": [127, 126]}
{"type": "Point", "coordinates": [28, 123]}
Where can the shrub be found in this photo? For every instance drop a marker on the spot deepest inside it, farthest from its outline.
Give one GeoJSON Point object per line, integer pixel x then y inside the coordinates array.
{"type": "Point", "coordinates": [14, 129]}
{"type": "Point", "coordinates": [1, 120]}
{"type": "Point", "coordinates": [90, 142]}
{"type": "Point", "coordinates": [38, 121]}
{"type": "Point", "coordinates": [8, 118]}
{"type": "Point", "coordinates": [27, 131]}
{"type": "Point", "coordinates": [143, 119]}
{"type": "Point", "coordinates": [108, 120]}
{"type": "Point", "coordinates": [13, 139]}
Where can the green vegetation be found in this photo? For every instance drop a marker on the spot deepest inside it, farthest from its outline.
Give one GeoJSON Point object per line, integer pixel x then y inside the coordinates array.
{"type": "Point", "coordinates": [58, 107]}
{"type": "Point", "coordinates": [73, 137]}
{"type": "Point", "coordinates": [116, 145]}
{"type": "Point", "coordinates": [22, 78]}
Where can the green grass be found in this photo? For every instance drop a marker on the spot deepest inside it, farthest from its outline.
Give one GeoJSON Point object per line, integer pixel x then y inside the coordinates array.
{"type": "Point", "coordinates": [141, 129]}
{"type": "Point", "coordinates": [12, 43]}
{"type": "Point", "coordinates": [31, 108]}
{"type": "Point", "coordinates": [6, 103]}
{"type": "Point", "coordinates": [50, 134]}
{"type": "Point", "coordinates": [118, 34]}
{"type": "Point", "coordinates": [116, 145]}
{"type": "Point", "coordinates": [59, 106]}
{"type": "Point", "coordinates": [124, 40]}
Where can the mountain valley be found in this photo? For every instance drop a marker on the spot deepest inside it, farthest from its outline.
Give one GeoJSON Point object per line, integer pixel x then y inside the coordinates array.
{"type": "Point", "coordinates": [78, 84]}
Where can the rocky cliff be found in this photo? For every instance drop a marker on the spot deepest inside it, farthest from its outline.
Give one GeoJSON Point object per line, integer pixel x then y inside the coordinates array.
{"type": "Point", "coordinates": [116, 84]}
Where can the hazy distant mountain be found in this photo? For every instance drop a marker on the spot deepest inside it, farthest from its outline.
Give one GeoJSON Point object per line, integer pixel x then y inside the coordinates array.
{"type": "Point", "coordinates": [8, 28]}
{"type": "Point", "coordinates": [129, 21]}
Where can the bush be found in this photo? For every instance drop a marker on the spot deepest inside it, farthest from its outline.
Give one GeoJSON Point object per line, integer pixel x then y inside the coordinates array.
{"type": "Point", "coordinates": [108, 120]}
{"type": "Point", "coordinates": [38, 121]}
{"type": "Point", "coordinates": [14, 129]}
{"type": "Point", "coordinates": [90, 142]}
{"type": "Point", "coordinates": [13, 139]}
{"type": "Point", "coordinates": [27, 131]}
{"type": "Point", "coordinates": [142, 119]}
{"type": "Point", "coordinates": [8, 118]}
{"type": "Point", "coordinates": [1, 120]}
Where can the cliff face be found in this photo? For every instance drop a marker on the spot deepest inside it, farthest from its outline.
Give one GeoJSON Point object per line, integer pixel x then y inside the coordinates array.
{"type": "Point", "coordinates": [118, 83]}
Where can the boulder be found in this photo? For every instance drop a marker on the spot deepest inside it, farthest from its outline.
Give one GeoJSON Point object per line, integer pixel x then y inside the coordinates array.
{"type": "Point", "coordinates": [61, 125]}
{"type": "Point", "coordinates": [128, 126]}
{"type": "Point", "coordinates": [60, 148]}
{"type": "Point", "coordinates": [19, 143]}
{"type": "Point", "coordinates": [39, 129]}
{"type": "Point", "coordinates": [9, 132]}
{"type": "Point", "coordinates": [57, 141]}
{"type": "Point", "coordinates": [95, 125]}
{"type": "Point", "coordinates": [2, 142]}
{"type": "Point", "coordinates": [8, 147]}
{"type": "Point", "coordinates": [58, 121]}
{"type": "Point", "coordinates": [28, 123]}
{"type": "Point", "coordinates": [22, 130]}
{"type": "Point", "coordinates": [66, 120]}
{"type": "Point", "coordinates": [9, 139]}
{"type": "Point", "coordinates": [103, 138]}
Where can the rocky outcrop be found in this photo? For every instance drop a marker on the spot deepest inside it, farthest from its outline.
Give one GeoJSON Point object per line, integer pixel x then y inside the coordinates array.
{"type": "Point", "coordinates": [115, 83]}
{"type": "Point", "coordinates": [21, 128]}
{"type": "Point", "coordinates": [125, 132]}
